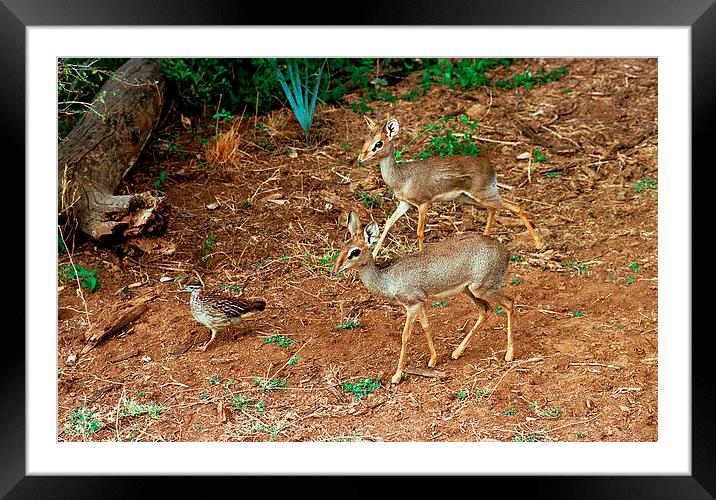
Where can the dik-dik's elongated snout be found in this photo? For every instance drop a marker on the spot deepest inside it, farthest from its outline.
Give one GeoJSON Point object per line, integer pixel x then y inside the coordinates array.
{"type": "Point", "coordinates": [365, 154]}
{"type": "Point", "coordinates": [338, 265]}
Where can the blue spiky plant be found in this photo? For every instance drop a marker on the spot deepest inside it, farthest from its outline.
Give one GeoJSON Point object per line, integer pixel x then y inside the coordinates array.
{"type": "Point", "coordinates": [302, 101]}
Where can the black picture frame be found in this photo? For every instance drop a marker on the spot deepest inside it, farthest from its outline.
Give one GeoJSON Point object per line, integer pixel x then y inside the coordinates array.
{"type": "Point", "coordinates": [699, 15]}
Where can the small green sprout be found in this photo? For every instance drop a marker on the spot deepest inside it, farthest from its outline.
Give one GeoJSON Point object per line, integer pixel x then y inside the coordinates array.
{"type": "Point", "coordinates": [82, 422]}
{"type": "Point", "coordinates": [480, 393]}
{"type": "Point", "coordinates": [349, 324]}
{"type": "Point", "coordinates": [242, 403]}
{"type": "Point", "coordinates": [87, 278]}
{"type": "Point", "coordinates": [362, 387]}
{"type": "Point", "coordinates": [643, 184]}
{"type": "Point", "coordinates": [161, 180]}
{"type": "Point", "coordinates": [223, 114]}
{"type": "Point", "coordinates": [134, 409]}
{"type": "Point", "coordinates": [538, 156]}
{"type": "Point", "coordinates": [230, 287]}
{"type": "Point", "coordinates": [634, 266]}
{"type": "Point", "coordinates": [370, 200]}
{"type": "Point", "coordinates": [280, 340]}
{"type": "Point", "coordinates": [528, 438]}
{"type": "Point", "coordinates": [552, 412]}
{"type": "Point", "coordinates": [271, 385]}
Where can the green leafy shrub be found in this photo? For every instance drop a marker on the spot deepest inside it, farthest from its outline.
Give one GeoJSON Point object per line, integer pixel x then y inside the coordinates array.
{"type": "Point", "coordinates": [529, 79]}
{"type": "Point", "coordinates": [230, 83]}
{"type": "Point", "coordinates": [448, 137]}
{"type": "Point", "coordinates": [465, 72]}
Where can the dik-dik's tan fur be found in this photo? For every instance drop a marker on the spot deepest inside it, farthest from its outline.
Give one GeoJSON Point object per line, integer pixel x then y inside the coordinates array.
{"type": "Point", "coordinates": [470, 263]}
{"type": "Point", "coordinates": [466, 179]}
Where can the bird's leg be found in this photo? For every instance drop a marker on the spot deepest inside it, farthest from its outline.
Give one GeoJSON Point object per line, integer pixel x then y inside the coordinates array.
{"type": "Point", "coordinates": [236, 333]}
{"type": "Point", "coordinates": [204, 346]}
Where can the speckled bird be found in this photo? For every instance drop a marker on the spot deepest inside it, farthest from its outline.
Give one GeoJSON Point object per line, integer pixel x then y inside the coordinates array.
{"type": "Point", "coordinates": [219, 312]}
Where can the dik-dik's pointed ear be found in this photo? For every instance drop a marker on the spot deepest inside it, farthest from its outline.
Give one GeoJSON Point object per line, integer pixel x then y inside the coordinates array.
{"type": "Point", "coordinates": [369, 122]}
{"type": "Point", "coordinates": [370, 233]}
{"type": "Point", "coordinates": [353, 223]}
{"type": "Point", "coordinates": [391, 128]}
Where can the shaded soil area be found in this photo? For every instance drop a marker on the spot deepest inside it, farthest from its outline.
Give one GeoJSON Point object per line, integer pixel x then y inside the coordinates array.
{"type": "Point", "coordinates": [262, 214]}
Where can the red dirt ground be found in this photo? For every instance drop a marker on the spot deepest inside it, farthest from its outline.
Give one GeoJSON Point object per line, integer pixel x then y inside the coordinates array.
{"type": "Point", "coordinates": [585, 366]}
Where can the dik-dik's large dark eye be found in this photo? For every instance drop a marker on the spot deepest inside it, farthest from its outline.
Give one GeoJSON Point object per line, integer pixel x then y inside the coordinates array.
{"type": "Point", "coordinates": [378, 145]}
{"type": "Point", "coordinates": [354, 253]}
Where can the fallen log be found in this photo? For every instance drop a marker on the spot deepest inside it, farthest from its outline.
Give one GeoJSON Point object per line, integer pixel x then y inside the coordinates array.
{"type": "Point", "coordinates": [103, 147]}
{"type": "Point", "coordinates": [128, 313]}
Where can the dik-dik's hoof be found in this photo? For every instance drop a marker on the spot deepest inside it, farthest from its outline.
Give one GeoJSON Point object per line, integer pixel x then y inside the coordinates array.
{"type": "Point", "coordinates": [456, 354]}
{"type": "Point", "coordinates": [540, 239]}
{"type": "Point", "coordinates": [396, 378]}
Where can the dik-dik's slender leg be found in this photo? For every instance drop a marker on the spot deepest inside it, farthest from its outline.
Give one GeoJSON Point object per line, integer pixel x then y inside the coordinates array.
{"type": "Point", "coordinates": [494, 203]}
{"type": "Point", "coordinates": [410, 315]}
{"type": "Point", "coordinates": [423, 317]}
{"type": "Point", "coordinates": [422, 215]}
{"type": "Point", "coordinates": [490, 217]}
{"type": "Point", "coordinates": [483, 311]}
{"type": "Point", "coordinates": [517, 210]}
{"type": "Point", "coordinates": [508, 304]}
{"type": "Point", "coordinates": [403, 207]}
{"type": "Point", "coordinates": [495, 297]}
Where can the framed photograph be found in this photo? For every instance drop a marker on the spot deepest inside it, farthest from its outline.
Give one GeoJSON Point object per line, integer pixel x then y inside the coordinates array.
{"type": "Point", "coordinates": [274, 204]}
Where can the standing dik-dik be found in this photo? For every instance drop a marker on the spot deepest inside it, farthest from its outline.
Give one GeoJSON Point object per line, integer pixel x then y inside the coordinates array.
{"type": "Point", "coordinates": [468, 262]}
{"type": "Point", "coordinates": [466, 179]}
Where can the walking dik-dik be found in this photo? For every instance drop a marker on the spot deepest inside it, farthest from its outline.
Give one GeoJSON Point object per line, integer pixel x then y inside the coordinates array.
{"type": "Point", "coordinates": [470, 263]}
{"type": "Point", "coordinates": [466, 179]}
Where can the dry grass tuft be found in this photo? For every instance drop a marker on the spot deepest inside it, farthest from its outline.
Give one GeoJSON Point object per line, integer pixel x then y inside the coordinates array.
{"type": "Point", "coordinates": [224, 149]}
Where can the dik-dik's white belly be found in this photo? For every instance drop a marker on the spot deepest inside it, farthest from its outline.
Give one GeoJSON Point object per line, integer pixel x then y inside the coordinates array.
{"type": "Point", "coordinates": [450, 196]}
{"type": "Point", "coordinates": [451, 291]}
